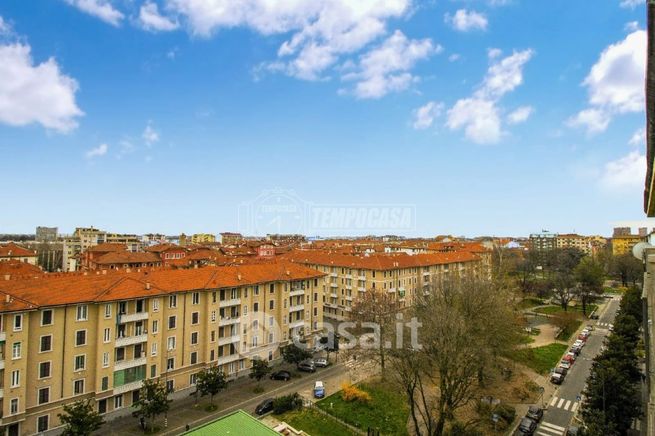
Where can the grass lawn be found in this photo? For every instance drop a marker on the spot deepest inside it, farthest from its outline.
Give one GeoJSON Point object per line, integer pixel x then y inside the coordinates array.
{"type": "Point", "coordinates": [529, 302]}
{"type": "Point", "coordinates": [387, 410]}
{"type": "Point", "coordinates": [550, 310]}
{"type": "Point", "coordinates": [541, 359]}
{"type": "Point", "coordinates": [565, 334]}
{"type": "Point", "coordinates": [314, 423]}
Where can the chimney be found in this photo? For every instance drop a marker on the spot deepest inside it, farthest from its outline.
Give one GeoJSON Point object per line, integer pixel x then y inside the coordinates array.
{"type": "Point", "coordinates": [239, 277]}
{"type": "Point", "coordinates": [7, 277]}
{"type": "Point", "coordinates": [148, 285]}
{"type": "Point", "coordinates": [104, 272]}
{"type": "Point", "coordinates": [7, 298]}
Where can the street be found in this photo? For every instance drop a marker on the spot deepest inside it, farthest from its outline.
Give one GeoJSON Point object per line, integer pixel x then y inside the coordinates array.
{"type": "Point", "coordinates": [562, 407]}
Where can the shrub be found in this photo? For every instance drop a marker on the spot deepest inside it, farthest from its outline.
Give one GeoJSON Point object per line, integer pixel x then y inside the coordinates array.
{"type": "Point", "coordinates": [506, 412]}
{"type": "Point", "coordinates": [351, 392]}
{"type": "Point", "coordinates": [258, 389]}
{"type": "Point", "coordinates": [287, 403]}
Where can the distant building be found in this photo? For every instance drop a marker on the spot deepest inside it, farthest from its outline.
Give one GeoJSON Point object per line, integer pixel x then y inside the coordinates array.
{"type": "Point", "coordinates": [203, 238]}
{"type": "Point", "coordinates": [623, 244]}
{"type": "Point", "coordinates": [183, 240]}
{"type": "Point", "coordinates": [229, 238]}
{"type": "Point", "coordinates": [643, 231]}
{"type": "Point", "coordinates": [85, 237]}
{"type": "Point", "coordinates": [544, 241]}
{"type": "Point", "coordinates": [46, 234]}
{"type": "Point", "coordinates": [621, 231]}
{"type": "Point", "coordinates": [572, 240]}
{"type": "Point", "coordinates": [17, 253]}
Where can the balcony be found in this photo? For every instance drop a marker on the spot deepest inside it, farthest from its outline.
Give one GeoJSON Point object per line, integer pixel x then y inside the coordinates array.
{"type": "Point", "coordinates": [333, 274]}
{"type": "Point", "coordinates": [229, 340]}
{"type": "Point", "coordinates": [392, 289]}
{"type": "Point", "coordinates": [128, 387]}
{"type": "Point", "coordinates": [334, 285]}
{"type": "Point", "coordinates": [131, 340]}
{"type": "Point", "coordinates": [229, 321]}
{"type": "Point", "coordinates": [296, 292]}
{"type": "Point", "coordinates": [125, 318]}
{"type": "Point", "coordinates": [131, 363]}
{"type": "Point", "coordinates": [231, 302]}
{"type": "Point", "coordinates": [361, 289]}
{"type": "Point", "coordinates": [349, 297]}
{"type": "Point", "coordinates": [296, 324]}
{"type": "Point", "coordinates": [297, 308]}
{"type": "Point", "coordinates": [222, 360]}
{"type": "Point", "coordinates": [362, 278]}
{"type": "Point", "coordinates": [334, 295]}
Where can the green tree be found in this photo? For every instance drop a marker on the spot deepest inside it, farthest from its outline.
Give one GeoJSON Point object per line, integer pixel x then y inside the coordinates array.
{"type": "Point", "coordinates": [294, 354]}
{"type": "Point", "coordinates": [590, 276]}
{"type": "Point", "coordinates": [80, 419]}
{"type": "Point", "coordinates": [259, 369]}
{"type": "Point", "coordinates": [627, 268]}
{"type": "Point", "coordinates": [210, 382]}
{"type": "Point", "coordinates": [153, 401]}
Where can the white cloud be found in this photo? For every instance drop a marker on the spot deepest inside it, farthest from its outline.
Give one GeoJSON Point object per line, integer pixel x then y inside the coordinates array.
{"type": "Point", "coordinates": [464, 20]}
{"type": "Point", "coordinates": [615, 83]}
{"type": "Point", "coordinates": [321, 31]}
{"type": "Point", "coordinates": [385, 68]}
{"type": "Point", "coordinates": [631, 3]}
{"type": "Point", "coordinates": [99, 8]}
{"type": "Point", "coordinates": [593, 120]}
{"type": "Point", "coordinates": [639, 137]}
{"type": "Point", "coordinates": [32, 93]}
{"type": "Point", "coordinates": [454, 57]}
{"type": "Point", "coordinates": [493, 52]}
{"type": "Point", "coordinates": [151, 19]}
{"type": "Point", "coordinates": [628, 172]}
{"type": "Point", "coordinates": [150, 135]}
{"type": "Point", "coordinates": [5, 27]}
{"type": "Point", "coordinates": [99, 151]}
{"type": "Point", "coordinates": [520, 115]}
{"type": "Point", "coordinates": [425, 115]}
{"type": "Point", "coordinates": [631, 26]}
{"type": "Point", "coordinates": [479, 115]}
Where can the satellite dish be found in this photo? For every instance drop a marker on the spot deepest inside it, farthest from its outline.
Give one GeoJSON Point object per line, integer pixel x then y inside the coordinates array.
{"type": "Point", "coordinates": [638, 249]}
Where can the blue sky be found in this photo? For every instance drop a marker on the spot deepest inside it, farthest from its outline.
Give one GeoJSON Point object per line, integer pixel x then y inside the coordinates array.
{"type": "Point", "coordinates": [495, 117]}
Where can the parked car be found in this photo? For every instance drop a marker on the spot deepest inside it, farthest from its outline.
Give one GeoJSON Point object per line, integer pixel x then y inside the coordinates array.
{"type": "Point", "coordinates": [568, 358]}
{"type": "Point", "coordinates": [589, 327]}
{"type": "Point", "coordinates": [264, 407]}
{"type": "Point", "coordinates": [579, 343]}
{"type": "Point", "coordinates": [556, 378]}
{"type": "Point", "coordinates": [611, 327]}
{"type": "Point", "coordinates": [572, 431]}
{"type": "Point", "coordinates": [535, 413]}
{"type": "Point", "coordinates": [307, 366]}
{"type": "Point", "coordinates": [527, 426]}
{"type": "Point", "coordinates": [571, 355]}
{"type": "Point", "coordinates": [281, 375]}
{"type": "Point", "coordinates": [319, 389]}
{"type": "Point", "coordinates": [565, 364]}
{"type": "Point", "coordinates": [561, 370]}
{"type": "Point", "coordinates": [321, 362]}
{"type": "Point", "coordinates": [593, 316]}
{"type": "Point", "coordinates": [576, 350]}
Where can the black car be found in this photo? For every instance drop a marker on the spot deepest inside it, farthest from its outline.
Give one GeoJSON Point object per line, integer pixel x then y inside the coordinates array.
{"type": "Point", "coordinates": [594, 316]}
{"type": "Point", "coordinates": [264, 407]}
{"type": "Point", "coordinates": [281, 375]}
{"type": "Point", "coordinates": [527, 426]}
{"type": "Point", "coordinates": [561, 370]}
{"type": "Point", "coordinates": [535, 413]}
{"type": "Point", "coordinates": [307, 366]}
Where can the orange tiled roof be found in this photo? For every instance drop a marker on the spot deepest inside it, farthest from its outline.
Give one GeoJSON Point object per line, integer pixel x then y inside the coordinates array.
{"type": "Point", "coordinates": [160, 248]}
{"type": "Point", "coordinates": [13, 250]}
{"type": "Point", "coordinates": [107, 247]}
{"type": "Point", "coordinates": [18, 269]}
{"type": "Point", "coordinates": [65, 289]}
{"type": "Point", "coordinates": [127, 257]}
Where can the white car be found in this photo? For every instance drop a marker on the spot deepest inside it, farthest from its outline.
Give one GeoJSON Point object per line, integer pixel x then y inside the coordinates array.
{"type": "Point", "coordinates": [578, 343]}
{"type": "Point", "coordinates": [321, 362]}
{"type": "Point", "coordinates": [564, 364]}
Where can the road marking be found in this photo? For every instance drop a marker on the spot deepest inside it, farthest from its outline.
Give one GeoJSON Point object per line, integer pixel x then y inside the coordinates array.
{"type": "Point", "coordinates": [575, 406]}
{"type": "Point", "coordinates": [550, 429]}
{"type": "Point", "coordinates": [561, 401]}
{"type": "Point", "coordinates": [552, 403]}
{"type": "Point", "coordinates": [566, 406]}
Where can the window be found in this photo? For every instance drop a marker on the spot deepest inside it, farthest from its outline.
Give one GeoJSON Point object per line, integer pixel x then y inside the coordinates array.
{"type": "Point", "coordinates": [13, 406]}
{"type": "Point", "coordinates": [271, 304]}
{"type": "Point", "coordinates": [153, 349]}
{"type": "Point", "coordinates": [46, 317]}
{"type": "Point", "coordinates": [15, 350]}
{"type": "Point", "coordinates": [172, 301]}
{"type": "Point", "coordinates": [214, 297]}
{"type": "Point", "coordinates": [155, 326]}
{"type": "Point", "coordinates": [140, 306]}
{"type": "Point", "coordinates": [255, 307]}
{"type": "Point", "coordinates": [18, 322]}
{"type": "Point", "coordinates": [102, 406]}
{"type": "Point", "coordinates": [46, 343]}
{"type": "Point", "coordinates": [171, 343]}
{"type": "Point", "coordinates": [15, 378]}
{"type": "Point", "coordinates": [170, 385]}
{"type": "Point", "coordinates": [118, 401]}
{"type": "Point", "coordinates": [107, 335]}
{"type": "Point", "coordinates": [170, 364]}
{"type": "Point", "coordinates": [212, 355]}
{"type": "Point", "coordinates": [195, 318]}
{"type": "Point", "coordinates": [44, 369]}
{"type": "Point", "coordinates": [44, 395]}
{"type": "Point", "coordinates": [213, 316]}
{"type": "Point", "coordinates": [105, 359]}
{"type": "Point", "coordinates": [80, 338]}
{"type": "Point", "coordinates": [78, 387]}
{"type": "Point", "coordinates": [194, 358]}
{"type": "Point", "coordinates": [272, 288]}
{"type": "Point", "coordinates": [194, 338]}
{"type": "Point", "coordinates": [80, 362]}
{"type": "Point", "coordinates": [105, 383]}
{"type": "Point", "coordinates": [155, 305]}
{"type": "Point", "coordinates": [122, 308]}
{"type": "Point", "coordinates": [212, 335]}
{"type": "Point", "coordinates": [193, 378]}
{"type": "Point", "coordinates": [256, 290]}
{"type": "Point", "coordinates": [195, 298]}
{"type": "Point", "coordinates": [42, 423]}
{"type": "Point", "coordinates": [153, 371]}
{"type": "Point", "coordinates": [171, 322]}
{"type": "Point", "coordinates": [82, 312]}
{"type": "Point", "coordinates": [107, 310]}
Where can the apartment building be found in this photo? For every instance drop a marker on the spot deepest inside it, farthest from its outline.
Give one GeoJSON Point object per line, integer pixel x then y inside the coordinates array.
{"type": "Point", "coordinates": [623, 244]}
{"type": "Point", "coordinates": [85, 237]}
{"type": "Point", "coordinates": [573, 240]}
{"type": "Point", "coordinates": [203, 238]}
{"type": "Point", "coordinates": [349, 276]}
{"type": "Point", "coordinates": [14, 252]}
{"type": "Point", "coordinates": [99, 335]}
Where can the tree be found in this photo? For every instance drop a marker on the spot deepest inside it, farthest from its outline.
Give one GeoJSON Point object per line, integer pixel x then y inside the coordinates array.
{"type": "Point", "coordinates": [294, 354]}
{"type": "Point", "coordinates": [210, 382]}
{"type": "Point", "coordinates": [467, 324]}
{"type": "Point", "coordinates": [153, 401]}
{"type": "Point", "coordinates": [376, 308]}
{"type": "Point", "coordinates": [80, 418]}
{"type": "Point", "coordinates": [564, 289]}
{"type": "Point", "coordinates": [627, 268]}
{"type": "Point", "coordinates": [590, 276]}
{"type": "Point", "coordinates": [259, 369]}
